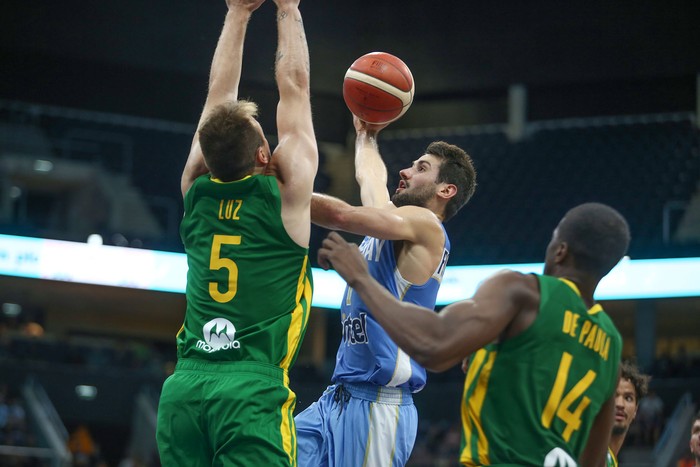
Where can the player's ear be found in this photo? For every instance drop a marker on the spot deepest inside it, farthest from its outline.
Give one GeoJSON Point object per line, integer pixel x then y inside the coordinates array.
{"type": "Point", "coordinates": [261, 156]}
{"type": "Point", "coordinates": [447, 190]}
{"type": "Point", "coordinates": [561, 252]}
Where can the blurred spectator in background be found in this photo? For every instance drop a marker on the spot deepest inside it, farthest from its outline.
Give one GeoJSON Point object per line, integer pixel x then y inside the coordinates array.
{"type": "Point", "coordinates": [83, 448]}
{"type": "Point", "coordinates": [693, 459]}
{"type": "Point", "coordinates": [695, 439]}
{"type": "Point", "coordinates": [650, 416]}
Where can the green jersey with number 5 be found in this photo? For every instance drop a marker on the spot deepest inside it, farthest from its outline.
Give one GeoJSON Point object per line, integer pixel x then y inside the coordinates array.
{"type": "Point", "coordinates": [249, 285]}
{"type": "Point", "coordinates": [532, 399]}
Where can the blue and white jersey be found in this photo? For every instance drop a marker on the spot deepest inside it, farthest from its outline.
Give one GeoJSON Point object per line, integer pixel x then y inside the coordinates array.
{"type": "Point", "coordinates": [366, 353]}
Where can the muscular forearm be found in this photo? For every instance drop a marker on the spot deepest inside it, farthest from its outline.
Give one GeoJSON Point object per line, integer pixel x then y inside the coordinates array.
{"type": "Point", "coordinates": [292, 67]}
{"type": "Point", "coordinates": [370, 170]}
{"type": "Point", "coordinates": [225, 73]}
{"type": "Point", "coordinates": [325, 211]}
{"type": "Point", "coordinates": [224, 77]}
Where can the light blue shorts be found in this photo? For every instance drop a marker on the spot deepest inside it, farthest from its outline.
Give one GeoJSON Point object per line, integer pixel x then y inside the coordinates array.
{"type": "Point", "coordinates": [357, 425]}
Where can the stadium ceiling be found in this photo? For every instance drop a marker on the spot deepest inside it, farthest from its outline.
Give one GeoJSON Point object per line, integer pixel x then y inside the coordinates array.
{"type": "Point", "coordinates": [151, 58]}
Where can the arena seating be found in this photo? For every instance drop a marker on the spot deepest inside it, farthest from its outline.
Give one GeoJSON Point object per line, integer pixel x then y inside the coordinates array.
{"type": "Point", "coordinates": [637, 165]}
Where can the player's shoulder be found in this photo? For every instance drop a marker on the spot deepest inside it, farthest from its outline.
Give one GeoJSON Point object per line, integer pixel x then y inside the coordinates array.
{"type": "Point", "coordinates": [418, 214]}
{"type": "Point", "coordinates": [517, 284]}
{"type": "Point", "coordinates": [425, 224]}
{"type": "Point", "coordinates": [517, 277]}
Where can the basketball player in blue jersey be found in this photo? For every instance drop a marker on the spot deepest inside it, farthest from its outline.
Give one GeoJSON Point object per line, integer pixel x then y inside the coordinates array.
{"type": "Point", "coordinates": [367, 417]}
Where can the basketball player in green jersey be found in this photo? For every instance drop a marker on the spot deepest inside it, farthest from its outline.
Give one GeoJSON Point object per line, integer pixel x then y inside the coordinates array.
{"type": "Point", "coordinates": [631, 388]}
{"type": "Point", "coordinates": [695, 439]}
{"type": "Point", "coordinates": [544, 357]}
{"type": "Point", "coordinates": [246, 233]}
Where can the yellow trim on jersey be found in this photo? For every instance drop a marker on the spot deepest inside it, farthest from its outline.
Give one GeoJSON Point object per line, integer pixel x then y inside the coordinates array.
{"type": "Point", "coordinates": [300, 315]}
{"type": "Point", "coordinates": [471, 410]}
{"type": "Point", "coordinates": [571, 284]}
{"type": "Point", "coordinates": [216, 180]}
{"type": "Point", "coordinates": [597, 308]}
{"type": "Point", "coordinates": [288, 428]}
{"type": "Point", "coordinates": [611, 460]}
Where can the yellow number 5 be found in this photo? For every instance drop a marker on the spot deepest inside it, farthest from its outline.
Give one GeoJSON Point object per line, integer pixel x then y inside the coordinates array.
{"type": "Point", "coordinates": [217, 262]}
{"type": "Point", "coordinates": [561, 404]}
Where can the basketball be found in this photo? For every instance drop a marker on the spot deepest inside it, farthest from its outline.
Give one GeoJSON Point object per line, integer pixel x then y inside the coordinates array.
{"type": "Point", "coordinates": [378, 88]}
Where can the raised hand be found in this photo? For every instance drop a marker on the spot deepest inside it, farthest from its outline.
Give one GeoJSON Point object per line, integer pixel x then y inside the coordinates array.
{"type": "Point", "coordinates": [361, 125]}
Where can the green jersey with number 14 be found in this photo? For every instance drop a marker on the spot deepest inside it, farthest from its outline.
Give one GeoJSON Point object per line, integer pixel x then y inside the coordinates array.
{"type": "Point", "coordinates": [532, 399]}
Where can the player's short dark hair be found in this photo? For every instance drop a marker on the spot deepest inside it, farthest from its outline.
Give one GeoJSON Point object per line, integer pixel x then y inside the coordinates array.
{"type": "Point", "coordinates": [597, 236]}
{"type": "Point", "coordinates": [456, 168]}
{"type": "Point", "coordinates": [630, 372]}
{"type": "Point", "coordinates": [229, 140]}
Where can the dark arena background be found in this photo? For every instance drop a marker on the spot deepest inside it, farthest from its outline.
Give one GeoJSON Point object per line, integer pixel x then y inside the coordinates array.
{"type": "Point", "coordinates": [558, 103]}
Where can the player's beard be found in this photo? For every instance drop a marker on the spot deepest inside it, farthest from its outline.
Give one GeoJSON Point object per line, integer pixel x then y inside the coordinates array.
{"type": "Point", "coordinates": [618, 430]}
{"type": "Point", "coordinates": [418, 197]}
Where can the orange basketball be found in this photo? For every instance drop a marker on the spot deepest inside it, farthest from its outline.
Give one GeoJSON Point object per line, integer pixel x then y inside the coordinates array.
{"type": "Point", "coordinates": [378, 87]}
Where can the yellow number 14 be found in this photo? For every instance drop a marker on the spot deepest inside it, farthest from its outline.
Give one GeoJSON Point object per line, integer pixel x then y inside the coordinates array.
{"type": "Point", "coordinates": [560, 404]}
{"type": "Point", "coordinates": [217, 262]}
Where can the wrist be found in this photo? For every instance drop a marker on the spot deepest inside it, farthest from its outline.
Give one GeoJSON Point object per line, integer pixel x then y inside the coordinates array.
{"type": "Point", "coordinates": [367, 134]}
{"type": "Point", "coordinates": [359, 283]}
{"type": "Point", "coordinates": [239, 14]}
{"type": "Point", "coordinates": [291, 10]}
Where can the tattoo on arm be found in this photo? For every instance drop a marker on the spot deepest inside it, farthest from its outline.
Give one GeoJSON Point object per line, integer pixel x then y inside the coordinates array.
{"type": "Point", "coordinates": [281, 16]}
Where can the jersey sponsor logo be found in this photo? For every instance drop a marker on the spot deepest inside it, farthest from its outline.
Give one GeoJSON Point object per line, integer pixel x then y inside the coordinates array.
{"type": "Point", "coordinates": [557, 457]}
{"type": "Point", "coordinates": [355, 329]}
{"type": "Point", "coordinates": [219, 334]}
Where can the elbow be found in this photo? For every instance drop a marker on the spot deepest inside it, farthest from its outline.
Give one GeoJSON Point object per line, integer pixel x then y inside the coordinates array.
{"type": "Point", "coordinates": [295, 81]}
{"type": "Point", "coordinates": [434, 364]}
{"type": "Point", "coordinates": [339, 219]}
{"type": "Point", "coordinates": [430, 356]}
{"type": "Point", "coordinates": [429, 362]}
{"type": "Point", "coordinates": [437, 353]}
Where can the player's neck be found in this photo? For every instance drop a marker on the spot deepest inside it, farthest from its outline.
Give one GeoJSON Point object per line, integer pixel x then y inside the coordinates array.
{"type": "Point", "coordinates": [616, 442]}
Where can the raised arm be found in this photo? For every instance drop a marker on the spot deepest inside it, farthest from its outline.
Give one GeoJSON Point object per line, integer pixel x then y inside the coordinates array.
{"type": "Point", "coordinates": [224, 77]}
{"type": "Point", "coordinates": [370, 170]}
{"type": "Point", "coordinates": [295, 159]}
{"type": "Point", "coordinates": [436, 341]}
{"type": "Point", "coordinates": [410, 223]}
